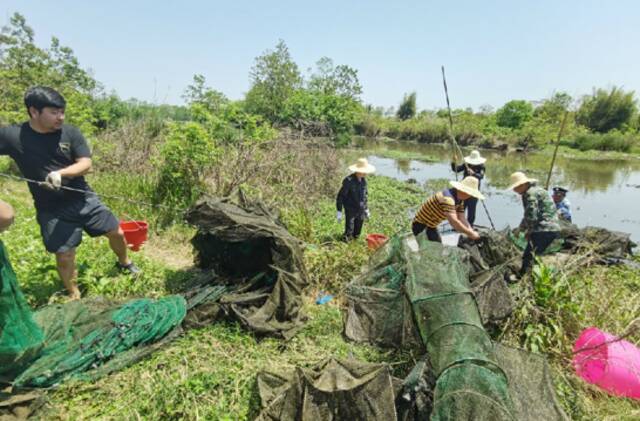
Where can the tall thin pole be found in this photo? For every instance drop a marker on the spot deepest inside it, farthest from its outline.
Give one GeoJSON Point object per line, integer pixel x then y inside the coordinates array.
{"type": "Point", "coordinates": [451, 137]}
{"type": "Point", "coordinates": [454, 144]}
{"type": "Point", "coordinates": [555, 151]}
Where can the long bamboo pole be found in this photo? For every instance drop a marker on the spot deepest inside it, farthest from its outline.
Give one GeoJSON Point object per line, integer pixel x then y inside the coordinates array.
{"type": "Point", "coordinates": [555, 151]}
{"type": "Point", "coordinates": [452, 139]}
{"type": "Point", "coordinates": [454, 144]}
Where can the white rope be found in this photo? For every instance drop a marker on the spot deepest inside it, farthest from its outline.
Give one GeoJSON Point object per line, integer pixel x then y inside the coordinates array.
{"type": "Point", "coordinates": [124, 199]}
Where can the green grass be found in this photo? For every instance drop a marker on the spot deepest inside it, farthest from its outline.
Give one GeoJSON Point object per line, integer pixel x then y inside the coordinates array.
{"type": "Point", "coordinates": [210, 373]}
{"type": "Point", "coordinates": [207, 374]}
{"type": "Point", "coordinates": [552, 312]}
{"type": "Point", "coordinates": [569, 152]}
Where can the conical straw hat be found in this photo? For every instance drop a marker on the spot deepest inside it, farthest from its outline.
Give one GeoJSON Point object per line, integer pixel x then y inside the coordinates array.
{"type": "Point", "coordinates": [362, 166]}
{"type": "Point", "coordinates": [518, 178]}
{"type": "Point", "coordinates": [469, 185]}
{"type": "Point", "coordinates": [474, 158]}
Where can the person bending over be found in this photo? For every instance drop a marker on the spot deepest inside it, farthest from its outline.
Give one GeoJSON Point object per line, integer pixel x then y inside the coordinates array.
{"type": "Point", "coordinates": [447, 205]}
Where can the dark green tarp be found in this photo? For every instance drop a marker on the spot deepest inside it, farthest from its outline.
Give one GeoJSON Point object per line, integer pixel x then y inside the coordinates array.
{"type": "Point", "coordinates": [248, 248]}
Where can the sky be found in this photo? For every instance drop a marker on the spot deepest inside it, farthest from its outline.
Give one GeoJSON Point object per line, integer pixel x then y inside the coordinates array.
{"type": "Point", "coordinates": [493, 51]}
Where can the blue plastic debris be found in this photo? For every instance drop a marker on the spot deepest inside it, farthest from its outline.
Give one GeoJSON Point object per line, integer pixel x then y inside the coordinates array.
{"type": "Point", "coordinates": [323, 299]}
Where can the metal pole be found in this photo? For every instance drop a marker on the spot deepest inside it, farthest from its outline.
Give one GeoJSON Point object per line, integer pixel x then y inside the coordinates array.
{"type": "Point", "coordinates": [555, 151]}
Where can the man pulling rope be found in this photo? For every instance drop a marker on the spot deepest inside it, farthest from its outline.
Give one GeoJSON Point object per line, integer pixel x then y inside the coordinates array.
{"type": "Point", "coordinates": [46, 149]}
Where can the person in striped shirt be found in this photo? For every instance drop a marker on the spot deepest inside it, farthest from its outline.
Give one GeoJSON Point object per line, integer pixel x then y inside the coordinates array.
{"type": "Point", "coordinates": [447, 205]}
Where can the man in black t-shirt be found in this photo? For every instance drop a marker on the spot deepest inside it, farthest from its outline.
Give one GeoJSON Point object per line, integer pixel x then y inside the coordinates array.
{"type": "Point", "coordinates": [57, 155]}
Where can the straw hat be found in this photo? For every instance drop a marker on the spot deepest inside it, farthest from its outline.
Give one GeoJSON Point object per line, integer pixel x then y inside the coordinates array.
{"type": "Point", "coordinates": [362, 166]}
{"type": "Point", "coordinates": [518, 178]}
{"type": "Point", "coordinates": [474, 158]}
{"type": "Point", "coordinates": [469, 185]}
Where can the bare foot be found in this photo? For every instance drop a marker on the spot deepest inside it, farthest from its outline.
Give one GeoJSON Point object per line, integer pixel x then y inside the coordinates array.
{"type": "Point", "coordinates": [74, 295]}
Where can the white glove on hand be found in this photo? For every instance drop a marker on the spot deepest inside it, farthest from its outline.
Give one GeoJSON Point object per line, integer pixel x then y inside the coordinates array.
{"type": "Point", "coordinates": [54, 179]}
{"type": "Point", "coordinates": [339, 216]}
{"type": "Point", "coordinates": [367, 213]}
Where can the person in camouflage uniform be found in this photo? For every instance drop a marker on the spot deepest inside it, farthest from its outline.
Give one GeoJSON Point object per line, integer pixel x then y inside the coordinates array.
{"type": "Point", "coordinates": [540, 222]}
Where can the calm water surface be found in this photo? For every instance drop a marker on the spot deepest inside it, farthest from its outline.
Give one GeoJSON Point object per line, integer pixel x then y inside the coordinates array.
{"type": "Point", "coordinates": [603, 193]}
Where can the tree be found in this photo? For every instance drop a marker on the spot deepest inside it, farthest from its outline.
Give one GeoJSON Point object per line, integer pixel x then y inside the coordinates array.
{"type": "Point", "coordinates": [514, 114]}
{"type": "Point", "coordinates": [23, 65]}
{"type": "Point", "coordinates": [552, 109]}
{"type": "Point", "coordinates": [407, 107]}
{"type": "Point", "coordinates": [485, 110]}
{"type": "Point", "coordinates": [274, 78]}
{"type": "Point", "coordinates": [607, 110]}
{"type": "Point", "coordinates": [335, 80]}
{"type": "Point", "coordinates": [199, 93]}
{"type": "Point", "coordinates": [320, 114]}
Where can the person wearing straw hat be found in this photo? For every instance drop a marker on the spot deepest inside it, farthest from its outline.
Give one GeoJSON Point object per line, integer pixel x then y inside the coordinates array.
{"type": "Point", "coordinates": [540, 221]}
{"type": "Point", "coordinates": [57, 157]}
{"type": "Point", "coordinates": [352, 197]}
{"type": "Point", "coordinates": [447, 205]}
{"type": "Point", "coordinates": [473, 166]}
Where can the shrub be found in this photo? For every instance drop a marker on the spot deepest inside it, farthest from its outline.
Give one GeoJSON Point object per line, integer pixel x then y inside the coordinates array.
{"type": "Point", "coordinates": [612, 141]}
{"type": "Point", "coordinates": [370, 125]}
{"type": "Point", "coordinates": [186, 155]}
{"type": "Point", "coordinates": [607, 110]}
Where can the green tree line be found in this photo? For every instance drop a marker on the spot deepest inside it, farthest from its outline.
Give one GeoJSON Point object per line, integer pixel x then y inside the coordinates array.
{"type": "Point", "coordinates": [325, 101]}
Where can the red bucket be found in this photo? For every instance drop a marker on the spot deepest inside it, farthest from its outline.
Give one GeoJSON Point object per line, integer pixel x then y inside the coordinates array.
{"type": "Point", "coordinates": [374, 241]}
{"type": "Point", "coordinates": [135, 232]}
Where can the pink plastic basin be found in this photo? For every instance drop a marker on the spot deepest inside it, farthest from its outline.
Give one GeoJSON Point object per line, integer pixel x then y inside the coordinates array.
{"type": "Point", "coordinates": [608, 362]}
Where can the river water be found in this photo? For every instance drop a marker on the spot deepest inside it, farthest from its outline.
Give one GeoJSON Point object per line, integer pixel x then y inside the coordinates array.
{"type": "Point", "coordinates": [602, 192]}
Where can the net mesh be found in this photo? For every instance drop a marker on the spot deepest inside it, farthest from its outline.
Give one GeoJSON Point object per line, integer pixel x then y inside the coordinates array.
{"type": "Point", "coordinates": [441, 303]}
{"type": "Point", "coordinates": [20, 337]}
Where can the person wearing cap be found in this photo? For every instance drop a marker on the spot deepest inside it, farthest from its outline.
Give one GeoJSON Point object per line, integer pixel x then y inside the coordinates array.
{"type": "Point", "coordinates": [352, 197]}
{"type": "Point", "coordinates": [447, 204]}
{"type": "Point", "coordinates": [57, 157]}
{"type": "Point", "coordinates": [562, 203]}
{"type": "Point", "coordinates": [473, 166]}
{"type": "Point", "coordinates": [540, 221]}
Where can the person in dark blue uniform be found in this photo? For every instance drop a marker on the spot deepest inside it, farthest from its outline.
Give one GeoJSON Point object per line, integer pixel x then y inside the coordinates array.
{"type": "Point", "coordinates": [353, 198]}
{"type": "Point", "coordinates": [473, 166]}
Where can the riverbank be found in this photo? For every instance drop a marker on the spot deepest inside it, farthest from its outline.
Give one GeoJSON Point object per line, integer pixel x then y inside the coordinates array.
{"type": "Point", "coordinates": [409, 149]}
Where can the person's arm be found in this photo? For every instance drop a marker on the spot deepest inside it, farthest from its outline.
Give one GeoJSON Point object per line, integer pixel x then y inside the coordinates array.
{"type": "Point", "coordinates": [5, 140]}
{"type": "Point", "coordinates": [80, 168]}
{"type": "Point", "coordinates": [81, 154]}
{"type": "Point", "coordinates": [366, 195]}
{"type": "Point", "coordinates": [457, 168]}
{"type": "Point", "coordinates": [564, 211]}
{"type": "Point", "coordinates": [531, 213]}
{"type": "Point", "coordinates": [463, 219]}
{"type": "Point", "coordinates": [479, 172]}
{"type": "Point", "coordinates": [7, 215]}
{"type": "Point", "coordinates": [460, 226]}
{"type": "Point", "coordinates": [341, 195]}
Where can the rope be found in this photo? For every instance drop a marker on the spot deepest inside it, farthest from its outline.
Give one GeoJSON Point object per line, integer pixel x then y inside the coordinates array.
{"type": "Point", "coordinates": [455, 147]}
{"type": "Point", "coordinates": [71, 189]}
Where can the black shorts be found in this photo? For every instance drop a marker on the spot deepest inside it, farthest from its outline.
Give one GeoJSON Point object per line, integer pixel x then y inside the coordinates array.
{"type": "Point", "coordinates": [62, 229]}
